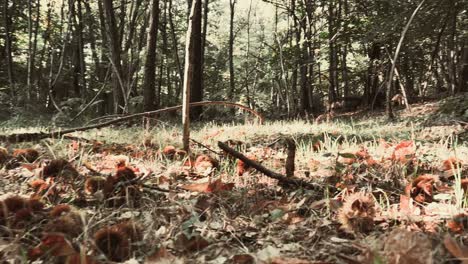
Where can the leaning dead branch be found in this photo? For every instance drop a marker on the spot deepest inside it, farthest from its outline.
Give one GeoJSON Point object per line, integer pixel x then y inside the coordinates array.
{"type": "Point", "coordinates": [281, 178]}
{"type": "Point", "coordinates": [27, 137]}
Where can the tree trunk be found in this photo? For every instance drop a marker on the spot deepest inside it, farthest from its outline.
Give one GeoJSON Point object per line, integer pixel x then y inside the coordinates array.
{"type": "Point", "coordinates": [81, 53]}
{"type": "Point", "coordinates": [32, 41]}
{"type": "Point", "coordinates": [164, 62]}
{"type": "Point", "coordinates": [196, 93]}
{"type": "Point", "coordinates": [91, 23]}
{"type": "Point", "coordinates": [8, 49]}
{"type": "Point", "coordinates": [344, 66]}
{"type": "Point", "coordinates": [149, 95]}
{"type": "Point", "coordinates": [190, 61]}
{"type": "Point", "coordinates": [333, 58]}
{"type": "Point", "coordinates": [232, 4]}
{"type": "Point", "coordinates": [463, 82]}
{"type": "Point", "coordinates": [452, 50]}
{"type": "Point", "coordinates": [247, 56]}
{"type": "Point", "coordinates": [206, 11]}
{"type": "Point", "coordinates": [114, 46]}
{"type": "Point", "coordinates": [175, 49]}
{"type": "Point", "coordinates": [304, 60]}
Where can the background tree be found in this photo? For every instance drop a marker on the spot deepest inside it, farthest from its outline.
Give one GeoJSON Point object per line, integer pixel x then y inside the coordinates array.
{"type": "Point", "coordinates": [149, 82]}
{"type": "Point", "coordinates": [290, 57]}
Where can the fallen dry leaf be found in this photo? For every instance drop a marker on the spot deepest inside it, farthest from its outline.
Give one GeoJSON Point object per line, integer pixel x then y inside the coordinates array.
{"type": "Point", "coordinates": [460, 252]}
{"type": "Point", "coordinates": [404, 152]}
{"type": "Point", "coordinates": [405, 247]}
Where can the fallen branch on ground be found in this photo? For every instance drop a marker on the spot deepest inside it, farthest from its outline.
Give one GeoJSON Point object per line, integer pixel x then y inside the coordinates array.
{"type": "Point", "coordinates": [281, 178]}
{"type": "Point", "coordinates": [27, 137]}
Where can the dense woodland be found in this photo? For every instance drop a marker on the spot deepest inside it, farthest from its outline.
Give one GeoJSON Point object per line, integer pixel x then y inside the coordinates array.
{"type": "Point", "coordinates": [96, 58]}
{"type": "Point", "coordinates": [359, 155]}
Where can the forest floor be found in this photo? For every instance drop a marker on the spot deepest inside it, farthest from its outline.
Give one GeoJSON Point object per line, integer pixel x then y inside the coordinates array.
{"type": "Point", "coordinates": [384, 193]}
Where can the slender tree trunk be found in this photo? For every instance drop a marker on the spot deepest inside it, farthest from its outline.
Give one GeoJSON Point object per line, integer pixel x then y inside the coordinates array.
{"type": "Point", "coordinates": [82, 64]}
{"type": "Point", "coordinates": [132, 25]}
{"type": "Point", "coordinates": [164, 71]}
{"type": "Point", "coordinates": [463, 82]}
{"type": "Point", "coordinates": [75, 50]}
{"type": "Point", "coordinates": [311, 44]}
{"type": "Point", "coordinates": [190, 61]}
{"type": "Point", "coordinates": [91, 22]}
{"type": "Point", "coordinates": [297, 38]}
{"type": "Point", "coordinates": [196, 93]}
{"type": "Point", "coordinates": [232, 84]}
{"type": "Point", "coordinates": [204, 33]}
{"type": "Point", "coordinates": [374, 54]}
{"type": "Point", "coordinates": [332, 53]}
{"type": "Point", "coordinates": [29, 79]}
{"type": "Point", "coordinates": [46, 49]}
{"type": "Point", "coordinates": [388, 107]}
{"type": "Point", "coordinates": [8, 42]}
{"type": "Point", "coordinates": [175, 50]}
{"type": "Point", "coordinates": [247, 56]}
{"type": "Point", "coordinates": [452, 50]}
{"type": "Point", "coordinates": [149, 94]}
{"type": "Point", "coordinates": [113, 40]}
{"type": "Point", "coordinates": [344, 65]}
{"type": "Point", "coordinates": [302, 62]}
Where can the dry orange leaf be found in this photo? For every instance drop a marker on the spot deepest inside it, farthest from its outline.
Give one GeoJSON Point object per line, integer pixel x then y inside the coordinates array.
{"type": "Point", "coordinates": [54, 244]}
{"type": "Point", "coordinates": [458, 224]}
{"type": "Point", "coordinates": [242, 167]}
{"type": "Point", "coordinates": [404, 152]}
{"type": "Point", "coordinates": [421, 189]}
{"type": "Point", "coordinates": [451, 163]}
{"type": "Point", "coordinates": [29, 155]}
{"type": "Point", "coordinates": [460, 252]}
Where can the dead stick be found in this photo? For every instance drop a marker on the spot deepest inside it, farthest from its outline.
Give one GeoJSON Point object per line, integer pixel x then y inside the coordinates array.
{"type": "Point", "coordinates": [25, 137]}
{"type": "Point", "coordinates": [291, 150]}
{"type": "Point", "coordinates": [281, 178]}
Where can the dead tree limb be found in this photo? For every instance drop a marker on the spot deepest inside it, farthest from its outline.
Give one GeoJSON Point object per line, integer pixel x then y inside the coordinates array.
{"type": "Point", "coordinates": [27, 137]}
{"type": "Point", "coordinates": [281, 178]}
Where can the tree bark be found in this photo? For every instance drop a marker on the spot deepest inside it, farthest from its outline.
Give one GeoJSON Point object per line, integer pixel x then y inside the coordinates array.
{"type": "Point", "coordinates": [8, 42]}
{"type": "Point", "coordinates": [149, 94]}
{"type": "Point", "coordinates": [344, 65]}
{"type": "Point", "coordinates": [232, 84]}
{"type": "Point", "coordinates": [189, 72]}
{"type": "Point", "coordinates": [196, 93]}
{"type": "Point", "coordinates": [114, 45]}
{"type": "Point", "coordinates": [304, 60]}
{"type": "Point", "coordinates": [175, 50]}
{"type": "Point", "coordinates": [82, 58]}
{"type": "Point", "coordinates": [333, 58]}
{"type": "Point", "coordinates": [32, 45]}
{"type": "Point", "coordinates": [91, 23]}
{"type": "Point", "coordinates": [197, 96]}
{"type": "Point", "coordinates": [463, 82]}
